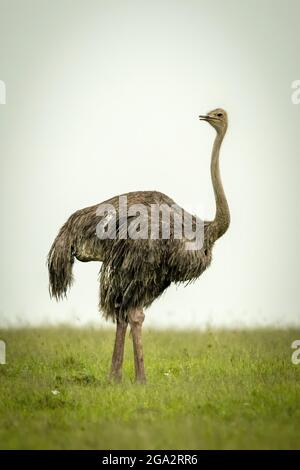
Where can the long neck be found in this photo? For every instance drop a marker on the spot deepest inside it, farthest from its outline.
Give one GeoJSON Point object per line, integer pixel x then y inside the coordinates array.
{"type": "Point", "coordinates": [222, 218]}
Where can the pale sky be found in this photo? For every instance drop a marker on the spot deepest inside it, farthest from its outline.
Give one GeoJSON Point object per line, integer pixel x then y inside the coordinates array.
{"type": "Point", "coordinates": [103, 97]}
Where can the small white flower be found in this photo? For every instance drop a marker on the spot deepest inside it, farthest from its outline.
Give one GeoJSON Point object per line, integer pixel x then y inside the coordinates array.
{"type": "Point", "coordinates": [54, 392]}
{"type": "Point", "coordinates": [167, 373]}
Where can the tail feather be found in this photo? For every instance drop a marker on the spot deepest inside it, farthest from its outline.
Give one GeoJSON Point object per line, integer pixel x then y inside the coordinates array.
{"type": "Point", "coordinates": [60, 263]}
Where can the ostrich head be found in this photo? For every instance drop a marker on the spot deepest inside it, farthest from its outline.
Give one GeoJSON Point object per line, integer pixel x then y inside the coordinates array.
{"type": "Point", "coordinates": [216, 118]}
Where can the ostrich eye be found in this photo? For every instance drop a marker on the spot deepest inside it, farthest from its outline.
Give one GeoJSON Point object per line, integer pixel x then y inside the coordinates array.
{"type": "Point", "coordinates": [220, 115]}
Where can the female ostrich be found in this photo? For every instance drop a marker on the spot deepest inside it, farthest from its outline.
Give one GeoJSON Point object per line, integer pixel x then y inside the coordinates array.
{"type": "Point", "coordinates": [135, 272]}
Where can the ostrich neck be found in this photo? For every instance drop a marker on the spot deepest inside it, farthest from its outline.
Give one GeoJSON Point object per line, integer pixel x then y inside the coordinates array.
{"type": "Point", "coordinates": [222, 218]}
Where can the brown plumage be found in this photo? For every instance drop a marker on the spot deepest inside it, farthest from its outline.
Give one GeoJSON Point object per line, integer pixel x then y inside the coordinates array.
{"type": "Point", "coordinates": [135, 272]}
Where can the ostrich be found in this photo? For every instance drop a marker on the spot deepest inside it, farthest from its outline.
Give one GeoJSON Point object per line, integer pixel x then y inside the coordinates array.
{"type": "Point", "coordinates": [135, 272]}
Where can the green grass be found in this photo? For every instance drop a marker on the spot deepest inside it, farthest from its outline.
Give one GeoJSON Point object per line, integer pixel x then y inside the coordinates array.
{"type": "Point", "coordinates": [212, 390]}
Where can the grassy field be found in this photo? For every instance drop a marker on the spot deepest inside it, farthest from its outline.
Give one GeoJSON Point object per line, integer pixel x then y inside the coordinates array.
{"type": "Point", "coordinates": [212, 390]}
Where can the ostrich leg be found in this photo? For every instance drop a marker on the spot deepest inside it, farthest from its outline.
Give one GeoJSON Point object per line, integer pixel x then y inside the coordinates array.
{"type": "Point", "coordinates": [118, 354]}
{"type": "Point", "coordinates": [136, 318]}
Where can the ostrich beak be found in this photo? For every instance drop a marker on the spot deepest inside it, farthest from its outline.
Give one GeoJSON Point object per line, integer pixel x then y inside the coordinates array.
{"type": "Point", "coordinates": [207, 118]}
